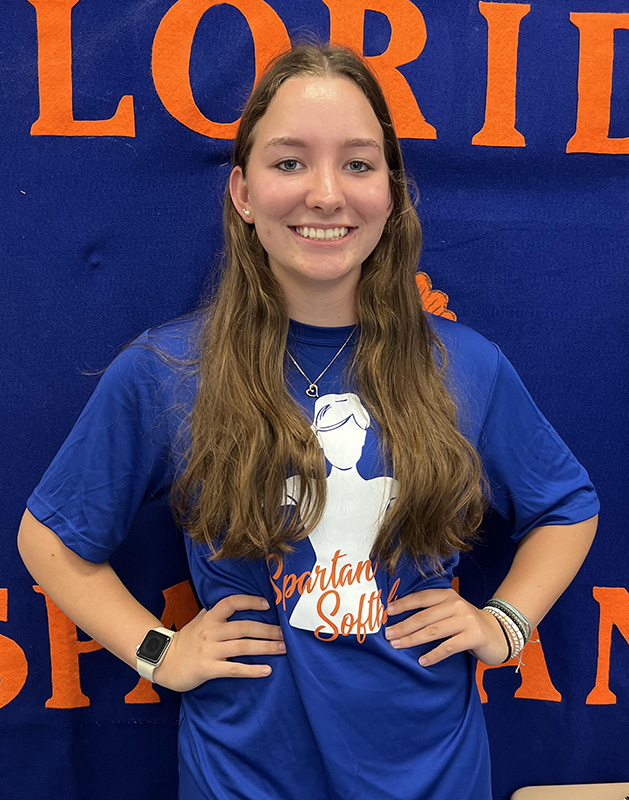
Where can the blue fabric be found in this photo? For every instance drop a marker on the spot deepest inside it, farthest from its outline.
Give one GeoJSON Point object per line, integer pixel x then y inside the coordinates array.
{"type": "Point", "coordinates": [343, 715]}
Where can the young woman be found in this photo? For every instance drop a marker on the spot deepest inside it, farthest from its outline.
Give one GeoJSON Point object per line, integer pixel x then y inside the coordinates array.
{"type": "Point", "coordinates": [329, 450]}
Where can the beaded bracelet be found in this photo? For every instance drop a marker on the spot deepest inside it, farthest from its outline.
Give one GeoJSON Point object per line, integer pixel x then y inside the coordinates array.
{"type": "Point", "coordinates": [516, 640]}
{"type": "Point", "coordinates": [514, 614]}
{"type": "Point", "coordinates": [514, 624]}
{"type": "Point", "coordinates": [507, 640]}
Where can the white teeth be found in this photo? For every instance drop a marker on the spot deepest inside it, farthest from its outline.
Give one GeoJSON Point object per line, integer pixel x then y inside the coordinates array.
{"type": "Point", "coordinates": [329, 234]}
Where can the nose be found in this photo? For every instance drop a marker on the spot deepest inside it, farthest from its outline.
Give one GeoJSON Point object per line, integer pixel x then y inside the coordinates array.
{"type": "Point", "coordinates": [325, 193]}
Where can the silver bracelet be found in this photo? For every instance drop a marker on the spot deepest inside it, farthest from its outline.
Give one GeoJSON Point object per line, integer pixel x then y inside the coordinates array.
{"type": "Point", "coordinates": [515, 614]}
{"type": "Point", "coordinates": [513, 632]}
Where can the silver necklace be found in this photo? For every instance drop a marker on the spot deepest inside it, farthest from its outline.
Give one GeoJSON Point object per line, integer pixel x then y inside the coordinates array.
{"type": "Point", "coordinates": [313, 389]}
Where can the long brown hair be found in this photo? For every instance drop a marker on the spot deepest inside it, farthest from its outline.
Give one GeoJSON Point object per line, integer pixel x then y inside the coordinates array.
{"type": "Point", "coordinates": [246, 433]}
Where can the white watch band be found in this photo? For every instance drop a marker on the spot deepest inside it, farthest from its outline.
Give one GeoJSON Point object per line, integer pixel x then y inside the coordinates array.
{"type": "Point", "coordinates": [145, 668]}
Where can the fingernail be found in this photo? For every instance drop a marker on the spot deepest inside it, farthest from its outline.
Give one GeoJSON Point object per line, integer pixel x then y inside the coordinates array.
{"type": "Point", "coordinates": [281, 647]}
{"type": "Point", "coordinates": [387, 633]}
{"type": "Point", "coordinates": [264, 604]}
{"type": "Point", "coordinates": [423, 661]}
{"type": "Point", "coordinates": [391, 608]}
{"type": "Point", "coordinates": [395, 643]}
{"type": "Point", "coordinates": [265, 670]}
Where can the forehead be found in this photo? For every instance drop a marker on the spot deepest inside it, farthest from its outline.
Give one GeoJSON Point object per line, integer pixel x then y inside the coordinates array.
{"type": "Point", "coordinates": [315, 107]}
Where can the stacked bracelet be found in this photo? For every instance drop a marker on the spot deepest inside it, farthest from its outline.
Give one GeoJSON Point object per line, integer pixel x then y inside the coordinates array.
{"type": "Point", "coordinates": [506, 635]}
{"type": "Point", "coordinates": [515, 626]}
{"type": "Point", "coordinates": [514, 614]}
{"type": "Point", "coordinates": [512, 632]}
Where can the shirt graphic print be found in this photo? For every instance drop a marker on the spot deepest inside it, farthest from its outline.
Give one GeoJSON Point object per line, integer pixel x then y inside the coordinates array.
{"type": "Point", "coordinates": [339, 593]}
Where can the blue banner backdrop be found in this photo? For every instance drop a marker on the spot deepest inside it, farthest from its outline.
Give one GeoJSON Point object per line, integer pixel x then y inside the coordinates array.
{"type": "Point", "coordinates": [117, 124]}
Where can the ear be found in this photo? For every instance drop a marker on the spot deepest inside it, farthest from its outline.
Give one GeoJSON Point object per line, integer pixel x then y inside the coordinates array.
{"type": "Point", "coordinates": [239, 192]}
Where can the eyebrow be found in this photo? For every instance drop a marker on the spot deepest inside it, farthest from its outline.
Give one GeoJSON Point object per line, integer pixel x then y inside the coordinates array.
{"type": "Point", "coordinates": [362, 143]}
{"type": "Point", "coordinates": [286, 141]}
{"type": "Point", "coordinates": [289, 141]}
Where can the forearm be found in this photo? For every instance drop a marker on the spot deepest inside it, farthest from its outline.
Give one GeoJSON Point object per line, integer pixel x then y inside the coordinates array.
{"type": "Point", "coordinates": [95, 599]}
{"type": "Point", "coordinates": [546, 561]}
{"type": "Point", "coordinates": [90, 594]}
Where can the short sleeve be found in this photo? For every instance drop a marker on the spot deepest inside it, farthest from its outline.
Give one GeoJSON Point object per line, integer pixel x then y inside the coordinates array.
{"type": "Point", "coordinates": [116, 457]}
{"type": "Point", "coordinates": [534, 479]}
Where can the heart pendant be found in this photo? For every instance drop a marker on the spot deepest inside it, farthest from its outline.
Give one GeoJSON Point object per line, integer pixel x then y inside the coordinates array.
{"type": "Point", "coordinates": [312, 390]}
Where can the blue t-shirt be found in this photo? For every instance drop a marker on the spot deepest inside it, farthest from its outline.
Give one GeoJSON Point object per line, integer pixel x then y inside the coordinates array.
{"type": "Point", "coordinates": [343, 716]}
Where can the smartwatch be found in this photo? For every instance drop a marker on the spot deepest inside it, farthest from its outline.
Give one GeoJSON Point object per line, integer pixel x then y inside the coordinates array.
{"type": "Point", "coordinates": [150, 654]}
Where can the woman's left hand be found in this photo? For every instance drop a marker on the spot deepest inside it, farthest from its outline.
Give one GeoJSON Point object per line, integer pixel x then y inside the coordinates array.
{"type": "Point", "coordinates": [445, 615]}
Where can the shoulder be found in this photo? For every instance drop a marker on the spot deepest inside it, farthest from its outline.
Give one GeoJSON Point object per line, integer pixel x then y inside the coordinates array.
{"type": "Point", "coordinates": [471, 357]}
{"type": "Point", "coordinates": [156, 365]}
{"type": "Point", "coordinates": [165, 349]}
{"type": "Point", "coordinates": [177, 339]}
{"type": "Point", "coordinates": [473, 369]}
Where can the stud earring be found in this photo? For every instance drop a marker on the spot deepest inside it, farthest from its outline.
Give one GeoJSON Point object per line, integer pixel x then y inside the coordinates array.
{"type": "Point", "coordinates": [246, 212]}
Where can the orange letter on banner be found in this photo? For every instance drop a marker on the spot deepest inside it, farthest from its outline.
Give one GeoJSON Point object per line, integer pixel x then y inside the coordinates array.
{"type": "Point", "coordinates": [596, 61]}
{"type": "Point", "coordinates": [614, 609]}
{"type": "Point", "coordinates": [408, 37]}
{"type": "Point", "coordinates": [12, 658]}
{"type": "Point", "coordinates": [65, 649]}
{"type": "Point", "coordinates": [503, 27]}
{"type": "Point", "coordinates": [171, 57]}
{"type": "Point", "coordinates": [55, 80]}
{"type": "Point", "coordinates": [536, 682]}
{"type": "Point", "coordinates": [181, 606]}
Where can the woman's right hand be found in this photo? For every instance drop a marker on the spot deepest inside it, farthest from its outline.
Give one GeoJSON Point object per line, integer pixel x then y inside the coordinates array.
{"type": "Point", "coordinates": [200, 650]}
{"type": "Point", "coordinates": [94, 597]}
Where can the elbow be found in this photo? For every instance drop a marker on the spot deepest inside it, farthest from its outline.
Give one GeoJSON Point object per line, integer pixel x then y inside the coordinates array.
{"type": "Point", "coordinates": [37, 545]}
{"type": "Point", "coordinates": [26, 540]}
{"type": "Point", "coordinates": [592, 526]}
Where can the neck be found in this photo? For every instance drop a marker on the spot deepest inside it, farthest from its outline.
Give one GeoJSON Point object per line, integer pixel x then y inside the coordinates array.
{"type": "Point", "coordinates": [325, 307]}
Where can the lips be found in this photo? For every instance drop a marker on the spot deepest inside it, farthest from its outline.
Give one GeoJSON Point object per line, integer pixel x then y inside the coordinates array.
{"type": "Point", "coordinates": [322, 234]}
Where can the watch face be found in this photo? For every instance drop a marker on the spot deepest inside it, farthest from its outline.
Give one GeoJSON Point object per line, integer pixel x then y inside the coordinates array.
{"type": "Point", "coordinates": [153, 647]}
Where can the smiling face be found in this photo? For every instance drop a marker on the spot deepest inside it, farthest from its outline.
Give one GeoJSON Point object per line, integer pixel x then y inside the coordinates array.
{"type": "Point", "coordinates": [317, 190]}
